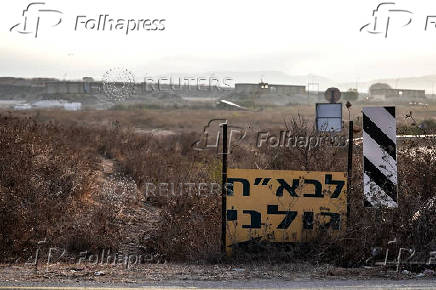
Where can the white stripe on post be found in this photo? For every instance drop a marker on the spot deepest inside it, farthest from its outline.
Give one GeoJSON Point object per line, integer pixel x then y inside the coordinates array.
{"type": "Point", "coordinates": [379, 151]}
{"type": "Point", "coordinates": [380, 158]}
{"type": "Point", "coordinates": [384, 121]}
{"type": "Point", "coordinates": [375, 195]}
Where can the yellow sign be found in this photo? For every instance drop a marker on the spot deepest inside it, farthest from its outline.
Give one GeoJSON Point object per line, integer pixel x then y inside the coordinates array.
{"type": "Point", "coordinates": [283, 206]}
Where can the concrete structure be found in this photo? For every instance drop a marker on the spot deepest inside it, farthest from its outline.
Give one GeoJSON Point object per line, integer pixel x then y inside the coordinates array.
{"type": "Point", "coordinates": [59, 104]}
{"type": "Point", "coordinates": [22, 107]}
{"type": "Point", "coordinates": [399, 93]}
{"type": "Point", "coordinates": [80, 87]}
{"type": "Point", "coordinates": [88, 86]}
{"type": "Point", "coordinates": [48, 104]}
{"type": "Point", "coordinates": [22, 82]}
{"type": "Point", "coordinates": [265, 88]}
{"type": "Point", "coordinates": [11, 81]}
{"type": "Point", "coordinates": [88, 79]}
{"type": "Point", "coordinates": [381, 91]}
{"type": "Point", "coordinates": [70, 87]}
{"type": "Point", "coordinates": [75, 106]}
{"type": "Point", "coordinates": [11, 103]}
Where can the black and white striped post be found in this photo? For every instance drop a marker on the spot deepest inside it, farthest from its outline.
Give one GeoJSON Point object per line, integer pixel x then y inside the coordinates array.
{"type": "Point", "coordinates": [380, 157]}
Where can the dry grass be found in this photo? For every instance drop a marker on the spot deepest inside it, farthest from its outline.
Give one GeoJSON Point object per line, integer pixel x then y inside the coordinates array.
{"type": "Point", "coordinates": [186, 120]}
{"type": "Point", "coordinates": [51, 185]}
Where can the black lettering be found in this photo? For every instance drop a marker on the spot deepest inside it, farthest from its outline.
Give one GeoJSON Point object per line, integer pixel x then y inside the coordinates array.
{"type": "Point", "coordinates": [245, 186]}
{"type": "Point", "coordinates": [256, 218]}
{"type": "Point", "coordinates": [232, 215]}
{"type": "Point", "coordinates": [318, 188]}
{"type": "Point", "coordinates": [339, 185]}
{"type": "Point", "coordinates": [334, 222]}
{"type": "Point", "coordinates": [289, 218]}
{"type": "Point", "coordinates": [284, 185]}
{"type": "Point", "coordinates": [308, 220]}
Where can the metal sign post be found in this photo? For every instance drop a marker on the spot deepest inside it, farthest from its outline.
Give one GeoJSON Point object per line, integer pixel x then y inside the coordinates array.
{"type": "Point", "coordinates": [224, 191]}
{"type": "Point", "coordinates": [350, 164]}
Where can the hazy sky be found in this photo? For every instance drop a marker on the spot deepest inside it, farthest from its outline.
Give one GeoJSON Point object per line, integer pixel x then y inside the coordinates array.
{"type": "Point", "coordinates": [296, 37]}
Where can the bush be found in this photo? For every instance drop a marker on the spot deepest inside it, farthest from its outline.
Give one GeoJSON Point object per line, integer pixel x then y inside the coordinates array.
{"type": "Point", "coordinates": [50, 187]}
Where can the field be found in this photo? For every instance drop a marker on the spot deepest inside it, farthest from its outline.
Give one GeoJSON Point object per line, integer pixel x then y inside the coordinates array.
{"type": "Point", "coordinates": [78, 181]}
{"type": "Point", "coordinates": [191, 120]}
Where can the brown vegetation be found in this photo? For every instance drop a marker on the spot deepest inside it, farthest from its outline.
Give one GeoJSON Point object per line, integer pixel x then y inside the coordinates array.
{"type": "Point", "coordinates": [53, 186]}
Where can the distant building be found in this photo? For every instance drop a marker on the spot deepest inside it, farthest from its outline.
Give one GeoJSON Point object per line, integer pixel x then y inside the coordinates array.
{"type": "Point", "coordinates": [72, 87]}
{"type": "Point", "coordinates": [41, 82]}
{"type": "Point", "coordinates": [22, 107]}
{"type": "Point", "coordinates": [382, 91]}
{"type": "Point", "coordinates": [88, 79]}
{"type": "Point", "coordinates": [75, 106]}
{"type": "Point", "coordinates": [43, 104]}
{"type": "Point", "coordinates": [265, 88]}
{"type": "Point", "coordinates": [22, 82]}
{"type": "Point", "coordinates": [14, 81]}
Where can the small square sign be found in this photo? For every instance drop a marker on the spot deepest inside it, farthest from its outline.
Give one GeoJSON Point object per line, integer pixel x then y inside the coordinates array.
{"type": "Point", "coordinates": [329, 117]}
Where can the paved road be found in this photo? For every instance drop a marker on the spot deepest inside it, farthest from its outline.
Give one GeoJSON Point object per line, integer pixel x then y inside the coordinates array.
{"type": "Point", "coordinates": [317, 284]}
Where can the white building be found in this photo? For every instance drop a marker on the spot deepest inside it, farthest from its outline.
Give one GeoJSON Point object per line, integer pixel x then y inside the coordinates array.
{"type": "Point", "coordinates": [73, 106]}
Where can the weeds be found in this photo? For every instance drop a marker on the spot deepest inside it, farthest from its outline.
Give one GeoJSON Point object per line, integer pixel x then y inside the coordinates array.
{"type": "Point", "coordinates": [51, 187]}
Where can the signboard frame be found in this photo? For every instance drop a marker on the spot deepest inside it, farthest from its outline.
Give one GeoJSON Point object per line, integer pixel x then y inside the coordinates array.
{"type": "Point", "coordinates": [318, 117]}
{"type": "Point", "coordinates": [283, 206]}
